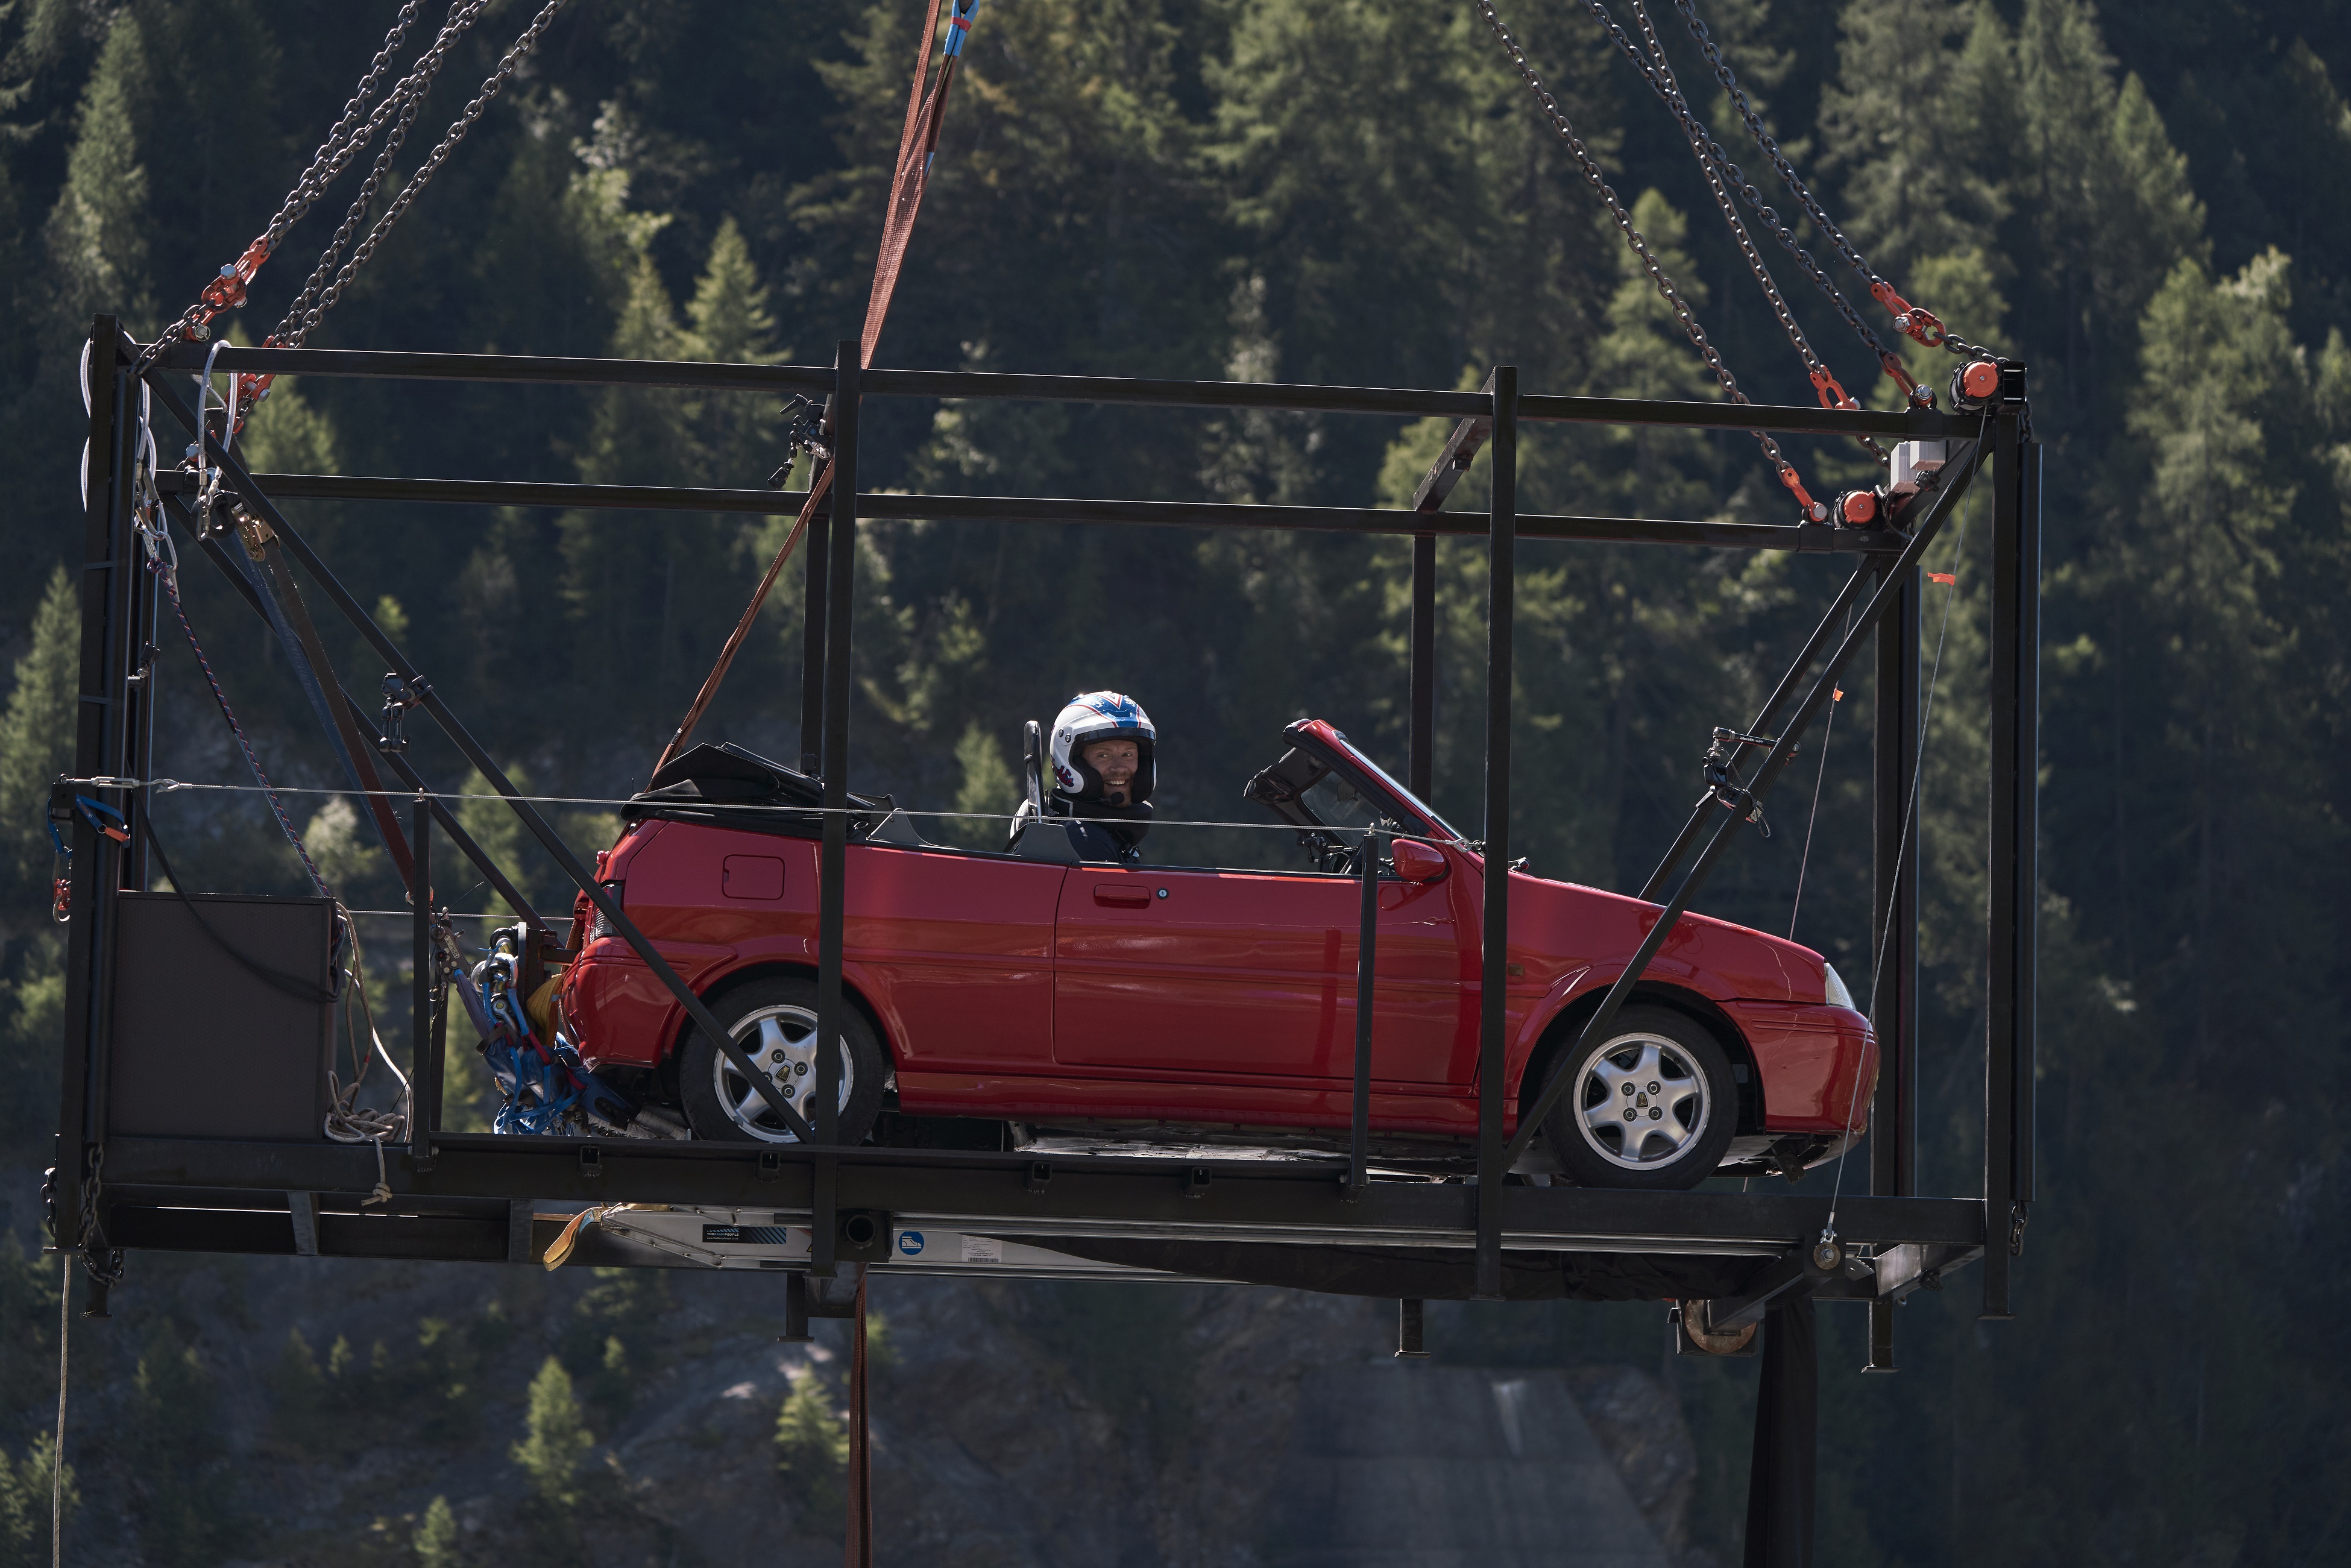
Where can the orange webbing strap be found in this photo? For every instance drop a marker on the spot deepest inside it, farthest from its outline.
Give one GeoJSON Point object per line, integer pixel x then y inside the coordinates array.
{"type": "Point", "coordinates": [916, 141]}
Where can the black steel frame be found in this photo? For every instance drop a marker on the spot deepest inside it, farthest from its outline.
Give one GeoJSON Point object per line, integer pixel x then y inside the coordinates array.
{"type": "Point", "coordinates": [468, 1196]}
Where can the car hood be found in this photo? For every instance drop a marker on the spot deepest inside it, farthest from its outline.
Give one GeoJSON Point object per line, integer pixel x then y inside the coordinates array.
{"type": "Point", "coordinates": [1723, 960]}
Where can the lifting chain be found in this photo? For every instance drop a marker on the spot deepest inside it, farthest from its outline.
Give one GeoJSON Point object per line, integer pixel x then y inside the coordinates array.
{"type": "Point", "coordinates": [1912, 321]}
{"type": "Point", "coordinates": [1812, 511]}
{"type": "Point", "coordinates": [1716, 165]}
{"type": "Point", "coordinates": [314, 300]}
{"type": "Point", "coordinates": [344, 142]}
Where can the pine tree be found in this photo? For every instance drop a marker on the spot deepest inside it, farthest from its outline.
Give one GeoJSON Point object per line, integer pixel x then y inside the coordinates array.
{"type": "Point", "coordinates": [499, 831]}
{"type": "Point", "coordinates": [731, 322]}
{"type": "Point", "coordinates": [557, 1439]}
{"type": "Point", "coordinates": [27, 1504]}
{"type": "Point", "coordinates": [97, 236]}
{"type": "Point", "coordinates": [987, 788]}
{"type": "Point", "coordinates": [186, 1502]}
{"type": "Point", "coordinates": [37, 741]}
{"type": "Point", "coordinates": [812, 1446]}
{"type": "Point", "coordinates": [437, 1542]}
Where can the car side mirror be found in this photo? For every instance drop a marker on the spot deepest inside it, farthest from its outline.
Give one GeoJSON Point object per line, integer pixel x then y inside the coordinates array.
{"type": "Point", "coordinates": [1417, 862]}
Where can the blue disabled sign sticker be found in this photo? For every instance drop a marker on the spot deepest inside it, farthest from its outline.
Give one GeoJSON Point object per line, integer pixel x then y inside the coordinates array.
{"type": "Point", "coordinates": [910, 1242]}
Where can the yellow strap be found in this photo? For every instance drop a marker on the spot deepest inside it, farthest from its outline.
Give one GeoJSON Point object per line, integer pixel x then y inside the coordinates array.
{"type": "Point", "coordinates": [560, 1249]}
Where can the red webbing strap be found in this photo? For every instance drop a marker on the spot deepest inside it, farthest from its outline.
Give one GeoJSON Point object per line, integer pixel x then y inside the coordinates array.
{"type": "Point", "coordinates": [907, 183]}
{"type": "Point", "coordinates": [819, 489]}
{"type": "Point", "coordinates": [916, 140]}
{"type": "Point", "coordinates": [860, 1534]}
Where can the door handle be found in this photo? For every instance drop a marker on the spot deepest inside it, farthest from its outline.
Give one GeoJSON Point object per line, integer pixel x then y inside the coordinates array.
{"type": "Point", "coordinates": [1118, 896]}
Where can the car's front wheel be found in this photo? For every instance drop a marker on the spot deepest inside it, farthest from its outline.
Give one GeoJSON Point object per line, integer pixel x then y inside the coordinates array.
{"type": "Point", "coordinates": [1651, 1106]}
{"type": "Point", "coordinates": [774, 1020]}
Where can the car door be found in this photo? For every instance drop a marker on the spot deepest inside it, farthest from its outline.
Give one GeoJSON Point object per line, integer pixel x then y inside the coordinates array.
{"type": "Point", "coordinates": [1249, 973]}
{"type": "Point", "coordinates": [958, 950]}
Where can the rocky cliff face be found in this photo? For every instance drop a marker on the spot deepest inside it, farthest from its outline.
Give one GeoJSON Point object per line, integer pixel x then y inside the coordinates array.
{"type": "Point", "coordinates": [292, 1412]}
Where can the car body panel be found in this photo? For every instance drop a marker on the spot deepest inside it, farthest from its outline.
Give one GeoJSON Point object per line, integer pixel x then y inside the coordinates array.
{"type": "Point", "coordinates": [1030, 989]}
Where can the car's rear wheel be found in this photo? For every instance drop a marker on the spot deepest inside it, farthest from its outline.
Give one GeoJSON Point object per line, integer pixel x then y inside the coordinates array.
{"type": "Point", "coordinates": [774, 1020]}
{"type": "Point", "coordinates": [1651, 1106]}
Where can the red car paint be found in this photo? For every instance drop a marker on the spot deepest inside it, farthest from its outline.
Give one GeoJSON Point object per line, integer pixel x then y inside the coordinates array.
{"type": "Point", "coordinates": [1032, 990]}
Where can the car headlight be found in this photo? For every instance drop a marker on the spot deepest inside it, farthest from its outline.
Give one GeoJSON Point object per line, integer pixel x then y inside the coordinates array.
{"type": "Point", "coordinates": [1840, 995]}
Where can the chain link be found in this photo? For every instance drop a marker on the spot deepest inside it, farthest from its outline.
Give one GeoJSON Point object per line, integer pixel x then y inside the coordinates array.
{"type": "Point", "coordinates": [1922, 325]}
{"type": "Point", "coordinates": [1712, 163]}
{"type": "Point", "coordinates": [1598, 180]}
{"type": "Point", "coordinates": [1721, 170]}
{"type": "Point", "coordinates": [408, 97]}
{"type": "Point", "coordinates": [334, 154]}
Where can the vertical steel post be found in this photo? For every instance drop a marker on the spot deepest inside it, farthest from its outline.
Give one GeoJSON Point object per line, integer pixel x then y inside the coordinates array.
{"type": "Point", "coordinates": [1493, 998]}
{"type": "Point", "coordinates": [139, 603]}
{"type": "Point", "coordinates": [2027, 1038]}
{"type": "Point", "coordinates": [1367, 936]}
{"type": "Point", "coordinates": [103, 732]}
{"type": "Point", "coordinates": [816, 557]}
{"type": "Point", "coordinates": [1420, 733]}
{"type": "Point", "coordinates": [423, 1062]}
{"type": "Point", "coordinates": [1894, 928]}
{"type": "Point", "coordinates": [2015, 754]}
{"type": "Point", "coordinates": [832, 869]}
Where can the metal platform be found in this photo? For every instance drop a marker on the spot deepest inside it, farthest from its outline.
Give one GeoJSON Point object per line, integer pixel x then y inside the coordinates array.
{"type": "Point", "coordinates": [469, 1197]}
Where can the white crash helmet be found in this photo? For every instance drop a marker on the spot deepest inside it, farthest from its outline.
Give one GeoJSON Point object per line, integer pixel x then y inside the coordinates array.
{"type": "Point", "coordinates": [1100, 716]}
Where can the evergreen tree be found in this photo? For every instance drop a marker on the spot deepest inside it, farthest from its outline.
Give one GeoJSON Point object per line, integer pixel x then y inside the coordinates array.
{"type": "Point", "coordinates": [27, 1504]}
{"type": "Point", "coordinates": [97, 233]}
{"type": "Point", "coordinates": [987, 788]}
{"type": "Point", "coordinates": [557, 1439]}
{"type": "Point", "coordinates": [182, 1490]}
{"type": "Point", "coordinates": [812, 1446]}
{"type": "Point", "coordinates": [36, 740]}
{"type": "Point", "coordinates": [438, 1543]}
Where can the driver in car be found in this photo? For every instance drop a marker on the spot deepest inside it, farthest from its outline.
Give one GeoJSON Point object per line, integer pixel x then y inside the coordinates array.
{"type": "Point", "coordinates": [1103, 773]}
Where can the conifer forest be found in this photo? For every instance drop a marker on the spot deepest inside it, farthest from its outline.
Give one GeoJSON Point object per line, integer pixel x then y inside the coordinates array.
{"type": "Point", "coordinates": [2149, 203]}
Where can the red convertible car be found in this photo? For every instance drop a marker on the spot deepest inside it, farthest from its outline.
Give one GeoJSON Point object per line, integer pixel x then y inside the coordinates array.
{"type": "Point", "coordinates": [1029, 994]}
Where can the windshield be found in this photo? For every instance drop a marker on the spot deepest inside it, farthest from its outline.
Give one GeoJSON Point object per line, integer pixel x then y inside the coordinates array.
{"type": "Point", "coordinates": [1444, 829]}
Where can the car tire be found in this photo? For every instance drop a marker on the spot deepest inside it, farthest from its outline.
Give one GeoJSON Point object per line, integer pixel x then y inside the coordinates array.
{"type": "Point", "coordinates": [775, 1020]}
{"type": "Point", "coordinates": [1652, 1106]}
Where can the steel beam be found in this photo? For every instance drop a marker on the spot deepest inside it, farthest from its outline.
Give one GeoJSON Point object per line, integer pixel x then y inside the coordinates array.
{"type": "Point", "coordinates": [833, 862]}
{"type": "Point", "coordinates": [1055, 510]}
{"type": "Point", "coordinates": [987, 1193]}
{"type": "Point", "coordinates": [1493, 985]}
{"type": "Point", "coordinates": [1956, 475]}
{"type": "Point", "coordinates": [353, 611]}
{"type": "Point", "coordinates": [2015, 759]}
{"type": "Point", "coordinates": [1893, 923]}
{"type": "Point", "coordinates": [1411, 402]}
{"type": "Point", "coordinates": [1420, 734]}
{"type": "Point", "coordinates": [108, 562]}
{"type": "Point", "coordinates": [393, 758]}
{"type": "Point", "coordinates": [816, 559]}
{"type": "Point", "coordinates": [1367, 938]}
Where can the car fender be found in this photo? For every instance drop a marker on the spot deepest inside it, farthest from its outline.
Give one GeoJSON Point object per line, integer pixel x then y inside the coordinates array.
{"type": "Point", "coordinates": [1697, 991]}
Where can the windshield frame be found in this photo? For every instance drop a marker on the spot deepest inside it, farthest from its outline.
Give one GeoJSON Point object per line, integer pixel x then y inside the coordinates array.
{"type": "Point", "coordinates": [1322, 735]}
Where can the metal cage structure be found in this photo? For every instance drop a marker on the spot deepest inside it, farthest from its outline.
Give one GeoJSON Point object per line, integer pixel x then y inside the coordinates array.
{"type": "Point", "coordinates": [466, 1197]}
